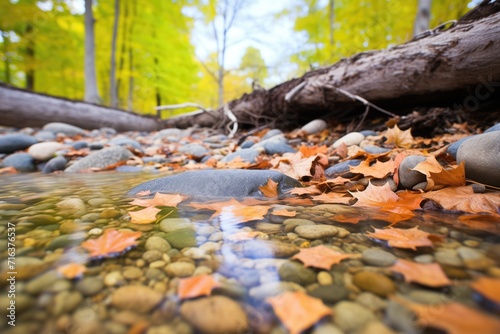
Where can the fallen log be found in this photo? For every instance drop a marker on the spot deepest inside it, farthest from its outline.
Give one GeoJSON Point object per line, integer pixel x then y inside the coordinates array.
{"type": "Point", "coordinates": [20, 108]}
{"type": "Point", "coordinates": [457, 67]}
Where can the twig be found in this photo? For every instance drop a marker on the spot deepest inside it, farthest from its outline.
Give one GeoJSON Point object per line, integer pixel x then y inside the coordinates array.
{"type": "Point", "coordinates": [185, 105]}
{"type": "Point", "coordinates": [365, 102]}
{"type": "Point", "coordinates": [234, 121]}
{"type": "Point", "coordinates": [294, 91]}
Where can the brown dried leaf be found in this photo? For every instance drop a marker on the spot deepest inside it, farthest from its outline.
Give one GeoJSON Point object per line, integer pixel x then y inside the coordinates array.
{"type": "Point", "coordinates": [399, 138]}
{"type": "Point", "coordinates": [270, 189]}
{"type": "Point", "coordinates": [403, 238]}
{"type": "Point", "coordinates": [321, 257]}
{"type": "Point", "coordinates": [428, 274]}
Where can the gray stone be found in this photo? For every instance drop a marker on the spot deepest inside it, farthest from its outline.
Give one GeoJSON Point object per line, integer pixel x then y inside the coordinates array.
{"type": "Point", "coordinates": [351, 317]}
{"type": "Point", "coordinates": [408, 178]}
{"type": "Point", "coordinates": [45, 151]}
{"type": "Point", "coordinates": [292, 271]}
{"type": "Point", "coordinates": [78, 145]}
{"type": "Point", "coordinates": [331, 293]}
{"type": "Point", "coordinates": [453, 148]}
{"type": "Point", "coordinates": [15, 142]}
{"type": "Point", "coordinates": [67, 129]}
{"type": "Point", "coordinates": [89, 286]}
{"type": "Point", "coordinates": [367, 133]}
{"type": "Point", "coordinates": [352, 138]}
{"type": "Point", "coordinates": [195, 150]}
{"type": "Point", "coordinates": [401, 319]}
{"type": "Point", "coordinates": [218, 183]}
{"type": "Point", "coordinates": [273, 289]}
{"type": "Point", "coordinates": [256, 249]}
{"type": "Point", "coordinates": [54, 164]}
{"type": "Point", "coordinates": [342, 168]}
{"type": "Point", "coordinates": [448, 257]}
{"type": "Point", "coordinates": [125, 141]}
{"type": "Point", "coordinates": [316, 231]}
{"type": "Point", "coordinates": [272, 133]}
{"type": "Point", "coordinates": [246, 154]}
{"type": "Point", "coordinates": [22, 162]}
{"type": "Point", "coordinates": [315, 126]}
{"type": "Point", "coordinates": [63, 241]}
{"type": "Point", "coordinates": [45, 136]}
{"type": "Point", "coordinates": [274, 145]}
{"type": "Point", "coordinates": [166, 133]}
{"type": "Point", "coordinates": [378, 257]}
{"type": "Point", "coordinates": [481, 154]}
{"type": "Point", "coordinates": [100, 159]}
{"type": "Point", "coordinates": [375, 149]}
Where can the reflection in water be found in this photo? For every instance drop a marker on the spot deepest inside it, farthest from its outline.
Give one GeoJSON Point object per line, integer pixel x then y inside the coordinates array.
{"type": "Point", "coordinates": [251, 261]}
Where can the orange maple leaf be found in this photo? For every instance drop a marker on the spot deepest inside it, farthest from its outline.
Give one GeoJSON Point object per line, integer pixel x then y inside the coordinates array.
{"type": "Point", "coordinates": [378, 170]}
{"type": "Point", "coordinates": [284, 213]}
{"type": "Point", "coordinates": [196, 286]}
{"type": "Point", "coordinates": [349, 217]}
{"type": "Point", "coordinates": [453, 318]}
{"type": "Point", "coordinates": [333, 198]}
{"type": "Point", "coordinates": [144, 216]}
{"type": "Point", "coordinates": [298, 311]}
{"type": "Point", "coordinates": [270, 189]}
{"type": "Point", "coordinates": [233, 210]}
{"type": "Point", "coordinates": [72, 270]}
{"type": "Point", "coordinates": [311, 190]}
{"type": "Point", "coordinates": [464, 199]}
{"type": "Point", "coordinates": [429, 274]}
{"type": "Point", "coordinates": [488, 287]}
{"type": "Point", "coordinates": [375, 196]}
{"type": "Point", "coordinates": [398, 137]}
{"type": "Point", "coordinates": [111, 243]}
{"type": "Point", "coordinates": [297, 167]}
{"type": "Point", "coordinates": [438, 176]}
{"type": "Point", "coordinates": [160, 200]}
{"type": "Point", "coordinates": [403, 238]}
{"type": "Point", "coordinates": [309, 151]}
{"type": "Point", "coordinates": [321, 257]}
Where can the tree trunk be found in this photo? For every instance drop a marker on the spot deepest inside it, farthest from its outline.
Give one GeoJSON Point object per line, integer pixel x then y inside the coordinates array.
{"type": "Point", "coordinates": [91, 94]}
{"type": "Point", "coordinates": [460, 65]}
{"type": "Point", "coordinates": [20, 108]}
{"type": "Point", "coordinates": [5, 37]}
{"type": "Point", "coordinates": [422, 18]}
{"type": "Point", "coordinates": [113, 95]}
{"type": "Point", "coordinates": [30, 58]}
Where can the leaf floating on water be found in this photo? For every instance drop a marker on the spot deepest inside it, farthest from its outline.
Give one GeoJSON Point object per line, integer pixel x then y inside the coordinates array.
{"type": "Point", "coordinates": [160, 200]}
{"type": "Point", "coordinates": [284, 213]}
{"type": "Point", "coordinates": [321, 257]}
{"type": "Point", "coordinates": [144, 216]}
{"type": "Point", "coordinates": [111, 243]}
{"type": "Point", "coordinates": [403, 238]}
{"type": "Point", "coordinates": [488, 287]}
{"type": "Point", "coordinates": [428, 274]}
{"type": "Point", "coordinates": [72, 270]}
{"type": "Point", "coordinates": [270, 189]}
{"type": "Point", "coordinates": [235, 210]}
{"type": "Point", "coordinates": [298, 311]}
{"type": "Point", "coordinates": [453, 318]}
{"type": "Point", "coordinates": [196, 286]}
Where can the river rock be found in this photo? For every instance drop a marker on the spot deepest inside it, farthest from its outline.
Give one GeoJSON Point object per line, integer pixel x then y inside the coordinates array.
{"type": "Point", "coordinates": [22, 162]}
{"type": "Point", "coordinates": [215, 314]}
{"type": "Point", "coordinates": [373, 149]}
{"type": "Point", "coordinates": [271, 133]}
{"type": "Point", "coordinates": [292, 271]}
{"type": "Point", "coordinates": [315, 126]}
{"type": "Point", "coordinates": [331, 293]}
{"type": "Point", "coordinates": [181, 238]}
{"type": "Point", "coordinates": [378, 257]}
{"type": "Point", "coordinates": [218, 183]}
{"type": "Point", "coordinates": [481, 154]}
{"type": "Point", "coordinates": [291, 223]}
{"type": "Point", "coordinates": [43, 135]}
{"type": "Point", "coordinates": [195, 150]}
{"type": "Point", "coordinates": [125, 141]}
{"type": "Point", "coordinates": [73, 205]}
{"type": "Point", "coordinates": [40, 283]}
{"type": "Point", "coordinates": [245, 154]}
{"type": "Point", "coordinates": [54, 164]}
{"type": "Point", "coordinates": [137, 298]}
{"type": "Point", "coordinates": [45, 151]}
{"type": "Point", "coordinates": [16, 142]}
{"type": "Point", "coordinates": [171, 224]}
{"type": "Point", "coordinates": [256, 249]}
{"type": "Point", "coordinates": [352, 138]}
{"type": "Point", "coordinates": [453, 148]}
{"type": "Point", "coordinates": [180, 269]}
{"type": "Point", "coordinates": [67, 129]}
{"type": "Point", "coordinates": [342, 168]}
{"type": "Point", "coordinates": [274, 145]}
{"type": "Point", "coordinates": [474, 259]}
{"type": "Point", "coordinates": [101, 159]}
{"type": "Point", "coordinates": [89, 286]}
{"type": "Point", "coordinates": [408, 178]}
{"type": "Point", "coordinates": [374, 282]}
{"type": "Point", "coordinates": [316, 231]}
{"type": "Point", "coordinates": [157, 243]}
{"type": "Point", "coordinates": [351, 317]}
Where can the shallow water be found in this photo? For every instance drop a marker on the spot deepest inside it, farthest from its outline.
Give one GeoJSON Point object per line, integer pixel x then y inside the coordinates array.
{"type": "Point", "coordinates": [37, 236]}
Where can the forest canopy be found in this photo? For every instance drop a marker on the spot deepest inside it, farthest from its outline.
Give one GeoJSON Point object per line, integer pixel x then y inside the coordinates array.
{"type": "Point", "coordinates": [168, 52]}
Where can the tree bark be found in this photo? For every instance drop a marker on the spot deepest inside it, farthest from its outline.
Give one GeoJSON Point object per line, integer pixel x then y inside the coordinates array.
{"type": "Point", "coordinates": [91, 94]}
{"type": "Point", "coordinates": [20, 108]}
{"type": "Point", "coordinates": [451, 66]}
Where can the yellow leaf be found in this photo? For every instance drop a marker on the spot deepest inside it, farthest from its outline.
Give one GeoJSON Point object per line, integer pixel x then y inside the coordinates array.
{"type": "Point", "coordinates": [144, 216]}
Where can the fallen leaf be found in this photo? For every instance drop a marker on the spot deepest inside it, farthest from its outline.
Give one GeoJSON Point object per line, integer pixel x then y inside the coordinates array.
{"type": "Point", "coordinates": [403, 238]}
{"type": "Point", "coordinates": [333, 198]}
{"type": "Point", "coordinates": [438, 176]}
{"type": "Point", "coordinates": [196, 286]}
{"type": "Point", "coordinates": [9, 169]}
{"type": "Point", "coordinates": [399, 138]}
{"type": "Point", "coordinates": [160, 200]}
{"type": "Point", "coordinates": [309, 151]}
{"type": "Point", "coordinates": [378, 170]}
{"type": "Point", "coordinates": [298, 311]}
{"type": "Point", "coordinates": [464, 199]}
{"type": "Point", "coordinates": [375, 196]}
{"type": "Point", "coordinates": [297, 167]}
{"type": "Point", "coordinates": [428, 274]}
{"type": "Point", "coordinates": [144, 216]}
{"type": "Point", "coordinates": [321, 257]}
{"type": "Point", "coordinates": [270, 189]}
{"type": "Point", "coordinates": [484, 222]}
{"type": "Point", "coordinates": [311, 190]}
{"type": "Point", "coordinates": [72, 270]}
{"type": "Point", "coordinates": [284, 213]}
{"type": "Point", "coordinates": [144, 193]}
{"type": "Point", "coordinates": [352, 217]}
{"type": "Point", "coordinates": [234, 210]}
{"type": "Point", "coordinates": [453, 318]}
{"type": "Point", "coordinates": [111, 243]}
{"type": "Point", "coordinates": [488, 287]}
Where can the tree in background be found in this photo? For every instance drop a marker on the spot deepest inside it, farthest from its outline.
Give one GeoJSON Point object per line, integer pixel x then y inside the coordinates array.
{"type": "Point", "coordinates": [253, 66]}
{"type": "Point", "coordinates": [91, 94]}
{"type": "Point", "coordinates": [423, 17]}
{"type": "Point", "coordinates": [112, 73]}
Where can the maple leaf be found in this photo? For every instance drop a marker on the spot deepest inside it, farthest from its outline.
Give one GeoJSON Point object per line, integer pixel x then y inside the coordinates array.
{"type": "Point", "coordinates": [378, 170]}
{"type": "Point", "coordinates": [398, 137]}
{"type": "Point", "coordinates": [196, 286]}
{"type": "Point", "coordinates": [428, 274]}
{"type": "Point", "coordinates": [484, 222]}
{"type": "Point", "coordinates": [298, 311]}
{"type": "Point", "coordinates": [453, 318]}
{"type": "Point", "coordinates": [488, 287]}
{"type": "Point", "coordinates": [349, 217]}
{"type": "Point", "coordinates": [160, 200]}
{"type": "Point", "coordinates": [464, 199]}
{"type": "Point", "coordinates": [321, 257]}
{"type": "Point", "coordinates": [438, 176]}
{"type": "Point", "coordinates": [270, 189]}
{"type": "Point", "coordinates": [334, 198]}
{"type": "Point", "coordinates": [311, 190]}
{"type": "Point", "coordinates": [403, 238]}
{"type": "Point", "coordinates": [393, 215]}
{"type": "Point", "coordinates": [111, 243]}
{"type": "Point", "coordinates": [308, 151]}
{"type": "Point", "coordinates": [234, 210]}
{"type": "Point", "coordinates": [375, 196]}
{"type": "Point", "coordinates": [297, 167]}
{"type": "Point", "coordinates": [144, 216]}
{"type": "Point", "coordinates": [284, 213]}
{"type": "Point", "coordinates": [72, 270]}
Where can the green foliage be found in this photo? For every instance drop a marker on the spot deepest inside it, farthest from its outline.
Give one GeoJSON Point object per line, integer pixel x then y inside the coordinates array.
{"type": "Point", "coordinates": [253, 65]}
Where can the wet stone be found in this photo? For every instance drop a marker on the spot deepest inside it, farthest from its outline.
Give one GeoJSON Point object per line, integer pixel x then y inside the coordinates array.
{"type": "Point", "coordinates": [158, 244]}
{"type": "Point", "coordinates": [89, 286]}
{"type": "Point", "coordinates": [316, 231]}
{"type": "Point", "coordinates": [132, 273]}
{"type": "Point", "coordinates": [180, 269]}
{"type": "Point", "coordinates": [293, 271]}
{"type": "Point", "coordinates": [351, 317]}
{"type": "Point", "coordinates": [65, 302]}
{"type": "Point", "coordinates": [40, 283]}
{"type": "Point", "coordinates": [255, 249]}
{"type": "Point", "coordinates": [378, 257]}
{"type": "Point", "coordinates": [331, 293]}
{"type": "Point", "coordinates": [22, 162]}
{"type": "Point", "coordinates": [11, 143]}
{"type": "Point", "coordinates": [195, 150]}
{"type": "Point", "coordinates": [136, 298]}
{"type": "Point", "coordinates": [273, 289]}
{"type": "Point", "coordinates": [100, 159]}
{"type": "Point", "coordinates": [171, 224]}
{"type": "Point", "coordinates": [245, 154]}
{"type": "Point", "coordinates": [474, 259]}
{"type": "Point", "coordinates": [181, 238]}
{"type": "Point", "coordinates": [55, 164]}
{"type": "Point", "coordinates": [374, 282]}
{"type": "Point", "coordinates": [342, 168]}
{"type": "Point", "coordinates": [448, 257]}
{"type": "Point", "coordinates": [67, 129]}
